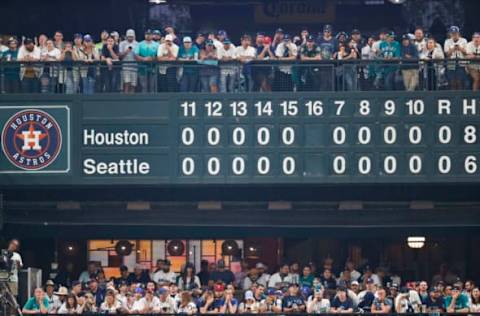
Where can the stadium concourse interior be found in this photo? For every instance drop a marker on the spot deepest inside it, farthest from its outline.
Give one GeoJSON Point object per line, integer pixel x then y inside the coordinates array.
{"type": "Point", "coordinates": [71, 231]}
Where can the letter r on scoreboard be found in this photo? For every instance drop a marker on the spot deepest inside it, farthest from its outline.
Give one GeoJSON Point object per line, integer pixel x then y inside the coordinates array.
{"type": "Point", "coordinates": [35, 139]}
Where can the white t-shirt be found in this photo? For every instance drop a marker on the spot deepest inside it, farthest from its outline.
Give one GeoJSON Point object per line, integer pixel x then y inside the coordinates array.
{"type": "Point", "coordinates": [110, 309]}
{"type": "Point", "coordinates": [53, 303]}
{"type": "Point", "coordinates": [232, 53]}
{"type": "Point", "coordinates": [64, 310]}
{"type": "Point", "coordinates": [51, 55]}
{"type": "Point", "coordinates": [138, 306]}
{"type": "Point", "coordinates": [17, 265]}
{"type": "Point", "coordinates": [164, 277]}
{"type": "Point", "coordinates": [169, 306]}
{"type": "Point", "coordinates": [472, 49]}
{"type": "Point", "coordinates": [163, 52]}
{"type": "Point", "coordinates": [23, 52]}
{"type": "Point", "coordinates": [190, 308]}
{"type": "Point", "coordinates": [249, 52]}
{"type": "Point", "coordinates": [276, 280]}
{"type": "Point", "coordinates": [322, 306]}
{"type": "Point", "coordinates": [457, 54]}
{"type": "Point", "coordinates": [153, 305]}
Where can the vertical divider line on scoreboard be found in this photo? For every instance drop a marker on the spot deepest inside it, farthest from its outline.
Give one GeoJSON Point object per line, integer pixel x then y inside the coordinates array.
{"type": "Point", "coordinates": [172, 104]}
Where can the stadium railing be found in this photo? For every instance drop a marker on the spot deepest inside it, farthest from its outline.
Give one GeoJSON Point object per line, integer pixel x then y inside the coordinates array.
{"type": "Point", "coordinates": [272, 75]}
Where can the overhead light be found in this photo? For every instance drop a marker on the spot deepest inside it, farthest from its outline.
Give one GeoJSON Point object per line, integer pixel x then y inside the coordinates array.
{"type": "Point", "coordinates": [157, 1]}
{"type": "Point", "coordinates": [398, 1]}
{"type": "Point", "coordinates": [416, 242]}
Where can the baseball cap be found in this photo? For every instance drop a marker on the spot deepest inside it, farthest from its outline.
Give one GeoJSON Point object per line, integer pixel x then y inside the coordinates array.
{"type": "Point", "coordinates": [405, 37]}
{"type": "Point", "coordinates": [130, 32]}
{"type": "Point", "coordinates": [227, 41]}
{"type": "Point", "coordinates": [209, 42]}
{"type": "Point", "coordinates": [391, 34]}
{"type": "Point", "coordinates": [157, 32]}
{"type": "Point", "coordinates": [162, 291]}
{"type": "Point", "coordinates": [271, 291]}
{"type": "Point", "coordinates": [454, 29]}
{"type": "Point", "coordinates": [49, 283]}
{"type": "Point", "coordinates": [394, 286]}
{"type": "Point", "coordinates": [369, 280]}
{"type": "Point", "coordinates": [310, 38]}
{"type": "Point", "coordinates": [279, 30]}
{"type": "Point", "coordinates": [115, 34]}
{"type": "Point", "coordinates": [77, 35]}
{"type": "Point", "coordinates": [219, 287]}
{"type": "Point", "coordinates": [327, 28]}
{"type": "Point", "coordinates": [27, 41]}
{"type": "Point", "coordinates": [148, 31]}
{"type": "Point", "coordinates": [249, 295]}
{"type": "Point", "coordinates": [139, 290]}
{"type": "Point", "coordinates": [260, 266]}
{"type": "Point", "coordinates": [287, 37]}
{"type": "Point", "coordinates": [187, 39]}
{"type": "Point", "coordinates": [356, 31]}
{"type": "Point", "coordinates": [355, 283]}
{"type": "Point", "coordinates": [87, 38]}
{"type": "Point", "coordinates": [11, 39]}
{"type": "Point", "coordinates": [200, 34]}
{"type": "Point", "coordinates": [222, 32]}
{"type": "Point", "coordinates": [169, 37]}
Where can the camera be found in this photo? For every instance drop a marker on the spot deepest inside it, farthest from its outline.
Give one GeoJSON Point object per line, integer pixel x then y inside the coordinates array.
{"type": "Point", "coordinates": [6, 262]}
{"type": "Point", "coordinates": [130, 47]}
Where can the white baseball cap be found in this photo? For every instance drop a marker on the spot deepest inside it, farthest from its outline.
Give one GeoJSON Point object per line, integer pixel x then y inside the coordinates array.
{"type": "Point", "coordinates": [169, 37]}
{"type": "Point", "coordinates": [187, 39]}
{"type": "Point", "coordinates": [130, 32]}
{"type": "Point", "coordinates": [249, 295]}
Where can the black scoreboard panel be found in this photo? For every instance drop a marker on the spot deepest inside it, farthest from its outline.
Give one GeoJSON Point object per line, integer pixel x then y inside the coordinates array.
{"type": "Point", "coordinates": [260, 138]}
{"type": "Point", "coordinates": [364, 137]}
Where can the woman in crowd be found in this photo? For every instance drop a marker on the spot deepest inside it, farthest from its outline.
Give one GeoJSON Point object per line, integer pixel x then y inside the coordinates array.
{"type": "Point", "coordinates": [48, 80]}
{"type": "Point", "coordinates": [111, 305]}
{"type": "Point", "coordinates": [187, 306]}
{"type": "Point", "coordinates": [70, 306]}
{"type": "Point", "coordinates": [88, 54]}
{"type": "Point", "coordinates": [475, 305]}
{"type": "Point", "coordinates": [188, 279]}
{"type": "Point", "coordinates": [434, 72]}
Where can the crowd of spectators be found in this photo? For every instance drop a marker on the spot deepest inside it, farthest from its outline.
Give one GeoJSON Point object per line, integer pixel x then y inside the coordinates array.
{"type": "Point", "coordinates": [211, 62]}
{"type": "Point", "coordinates": [293, 288]}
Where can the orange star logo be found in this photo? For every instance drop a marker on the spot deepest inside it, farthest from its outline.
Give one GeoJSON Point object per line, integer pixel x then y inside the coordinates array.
{"type": "Point", "coordinates": [31, 136]}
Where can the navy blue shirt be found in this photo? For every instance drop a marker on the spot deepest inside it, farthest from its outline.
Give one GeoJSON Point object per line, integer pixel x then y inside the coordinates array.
{"type": "Point", "coordinates": [290, 301]}
{"type": "Point", "coordinates": [347, 304]}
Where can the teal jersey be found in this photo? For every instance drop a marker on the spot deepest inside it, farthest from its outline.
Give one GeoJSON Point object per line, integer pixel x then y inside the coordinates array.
{"type": "Point", "coordinates": [145, 49]}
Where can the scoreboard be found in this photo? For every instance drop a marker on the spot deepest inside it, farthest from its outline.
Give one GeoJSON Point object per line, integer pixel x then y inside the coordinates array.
{"type": "Point", "coordinates": [257, 138]}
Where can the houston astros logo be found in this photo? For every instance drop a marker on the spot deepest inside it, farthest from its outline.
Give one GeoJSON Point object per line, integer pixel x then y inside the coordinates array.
{"type": "Point", "coordinates": [31, 139]}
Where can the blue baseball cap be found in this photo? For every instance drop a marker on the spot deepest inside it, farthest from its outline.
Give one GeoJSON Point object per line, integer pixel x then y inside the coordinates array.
{"type": "Point", "coordinates": [271, 291]}
{"type": "Point", "coordinates": [222, 32]}
{"type": "Point", "coordinates": [162, 291]}
{"type": "Point", "coordinates": [454, 29]}
{"type": "Point", "coordinates": [87, 38]}
{"type": "Point", "coordinates": [327, 28]}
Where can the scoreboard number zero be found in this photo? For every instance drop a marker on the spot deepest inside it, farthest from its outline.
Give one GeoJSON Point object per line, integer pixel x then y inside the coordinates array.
{"type": "Point", "coordinates": [328, 138]}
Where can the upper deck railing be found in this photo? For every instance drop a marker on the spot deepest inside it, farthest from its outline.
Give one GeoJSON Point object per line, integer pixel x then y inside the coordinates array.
{"type": "Point", "coordinates": [235, 77]}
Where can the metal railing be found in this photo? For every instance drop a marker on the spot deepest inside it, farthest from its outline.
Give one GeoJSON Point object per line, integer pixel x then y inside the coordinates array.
{"type": "Point", "coordinates": [273, 75]}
